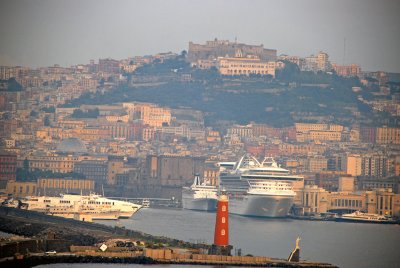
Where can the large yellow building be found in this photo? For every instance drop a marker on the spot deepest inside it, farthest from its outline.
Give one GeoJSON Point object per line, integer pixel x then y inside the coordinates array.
{"type": "Point", "coordinates": [119, 130]}
{"type": "Point", "coordinates": [49, 186]}
{"type": "Point", "coordinates": [67, 185]}
{"type": "Point", "coordinates": [246, 66]}
{"type": "Point", "coordinates": [91, 134]}
{"type": "Point", "coordinates": [21, 189]}
{"type": "Point", "coordinates": [65, 124]}
{"type": "Point", "coordinates": [149, 114]}
{"type": "Point", "coordinates": [317, 164]}
{"type": "Point", "coordinates": [323, 61]}
{"type": "Point", "coordinates": [347, 70]}
{"type": "Point", "coordinates": [51, 133]}
{"type": "Point", "coordinates": [378, 201]}
{"type": "Point", "coordinates": [115, 166]}
{"type": "Point", "coordinates": [240, 131]}
{"type": "Point", "coordinates": [353, 165]}
{"type": "Point", "coordinates": [318, 132]}
{"type": "Point", "coordinates": [88, 83]}
{"type": "Point", "coordinates": [54, 163]}
{"type": "Point", "coordinates": [324, 136]}
{"type": "Point", "coordinates": [306, 127]}
{"type": "Point", "coordinates": [386, 135]}
{"type": "Point", "coordinates": [117, 118]}
{"type": "Point", "coordinates": [304, 149]}
{"type": "Point", "coordinates": [397, 169]}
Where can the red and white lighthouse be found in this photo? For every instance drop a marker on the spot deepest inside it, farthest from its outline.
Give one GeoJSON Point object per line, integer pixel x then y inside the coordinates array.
{"type": "Point", "coordinates": [221, 235]}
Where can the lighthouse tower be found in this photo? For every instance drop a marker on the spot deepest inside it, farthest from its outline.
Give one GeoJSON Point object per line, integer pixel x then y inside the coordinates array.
{"type": "Point", "coordinates": [221, 236]}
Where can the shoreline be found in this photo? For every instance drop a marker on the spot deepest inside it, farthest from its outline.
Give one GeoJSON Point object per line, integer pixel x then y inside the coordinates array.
{"type": "Point", "coordinates": [32, 261]}
{"type": "Point", "coordinates": [49, 233]}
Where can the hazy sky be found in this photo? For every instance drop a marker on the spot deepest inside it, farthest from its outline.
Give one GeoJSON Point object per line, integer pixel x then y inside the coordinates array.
{"type": "Point", "coordinates": [67, 32]}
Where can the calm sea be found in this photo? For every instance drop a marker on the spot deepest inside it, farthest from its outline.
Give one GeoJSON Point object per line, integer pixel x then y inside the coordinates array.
{"type": "Point", "coordinates": [344, 244]}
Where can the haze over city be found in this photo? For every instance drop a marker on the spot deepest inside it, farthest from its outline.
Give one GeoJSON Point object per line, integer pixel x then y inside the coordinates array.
{"type": "Point", "coordinates": [215, 132]}
{"type": "Point", "coordinates": [44, 32]}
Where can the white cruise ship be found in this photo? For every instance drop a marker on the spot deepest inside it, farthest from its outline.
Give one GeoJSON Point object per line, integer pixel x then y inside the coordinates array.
{"type": "Point", "coordinates": [259, 189]}
{"type": "Point", "coordinates": [71, 203]}
{"type": "Point", "coordinates": [199, 196]}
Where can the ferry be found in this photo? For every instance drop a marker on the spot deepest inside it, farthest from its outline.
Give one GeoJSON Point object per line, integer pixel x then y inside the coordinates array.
{"type": "Point", "coordinates": [199, 196]}
{"type": "Point", "coordinates": [259, 189]}
{"type": "Point", "coordinates": [89, 202]}
{"type": "Point", "coordinates": [359, 216]}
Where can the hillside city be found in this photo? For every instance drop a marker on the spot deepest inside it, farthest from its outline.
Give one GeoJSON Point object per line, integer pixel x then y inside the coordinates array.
{"type": "Point", "coordinates": [142, 127]}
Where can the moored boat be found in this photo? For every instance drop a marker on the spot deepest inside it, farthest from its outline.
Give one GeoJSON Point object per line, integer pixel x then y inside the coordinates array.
{"type": "Point", "coordinates": [359, 216]}
{"type": "Point", "coordinates": [199, 196]}
{"type": "Point", "coordinates": [75, 203]}
{"type": "Point", "coordinates": [259, 189]}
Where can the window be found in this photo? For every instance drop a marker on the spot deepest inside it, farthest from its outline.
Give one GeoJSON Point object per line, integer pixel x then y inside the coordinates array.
{"type": "Point", "coordinates": [223, 208]}
{"type": "Point", "coordinates": [223, 219]}
{"type": "Point", "coordinates": [223, 232]}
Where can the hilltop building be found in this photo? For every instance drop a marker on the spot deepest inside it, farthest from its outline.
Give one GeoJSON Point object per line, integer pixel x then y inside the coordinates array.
{"type": "Point", "coordinates": [148, 114]}
{"type": "Point", "coordinates": [224, 48]}
{"type": "Point", "coordinates": [246, 66]}
{"type": "Point", "coordinates": [347, 70]}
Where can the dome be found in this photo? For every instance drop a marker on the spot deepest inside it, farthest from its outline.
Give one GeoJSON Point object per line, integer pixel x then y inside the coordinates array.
{"type": "Point", "coordinates": [72, 145]}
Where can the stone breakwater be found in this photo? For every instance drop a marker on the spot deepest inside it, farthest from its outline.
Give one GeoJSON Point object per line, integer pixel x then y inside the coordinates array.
{"type": "Point", "coordinates": [195, 259]}
{"type": "Point", "coordinates": [33, 261]}
{"type": "Point", "coordinates": [38, 225]}
{"type": "Point", "coordinates": [74, 242]}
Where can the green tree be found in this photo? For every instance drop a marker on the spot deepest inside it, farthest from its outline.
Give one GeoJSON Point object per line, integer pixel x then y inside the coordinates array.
{"type": "Point", "coordinates": [13, 85]}
{"type": "Point", "coordinates": [183, 54]}
{"type": "Point", "coordinates": [91, 113]}
{"type": "Point", "coordinates": [48, 109]}
{"type": "Point", "coordinates": [289, 73]}
{"type": "Point", "coordinates": [46, 121]}
{"type": "Point", "coordinates": [26, 164]}
{"type": "Point", "coordinates": [33, 113]}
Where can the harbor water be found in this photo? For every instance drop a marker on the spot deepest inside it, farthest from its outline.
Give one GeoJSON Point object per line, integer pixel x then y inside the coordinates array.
{"type": "Point", "coordinates": [340, 243]}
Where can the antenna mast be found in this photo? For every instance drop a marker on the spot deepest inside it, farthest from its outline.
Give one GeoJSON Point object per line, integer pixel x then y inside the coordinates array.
{"type": "Point", "coordinates": [344, 51]}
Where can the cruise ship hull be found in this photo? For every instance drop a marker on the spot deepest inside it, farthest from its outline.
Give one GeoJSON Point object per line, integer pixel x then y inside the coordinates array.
{"type": "Point", "coordinates": [203, 204]}
{"type": "Point", "coordinates": [273, 206]}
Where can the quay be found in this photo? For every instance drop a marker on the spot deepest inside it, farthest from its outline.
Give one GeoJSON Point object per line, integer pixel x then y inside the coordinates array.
{"type": "Point", "coordinates": [71, 241]}
{"type": "Point", "coordinates": [153, 256]}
